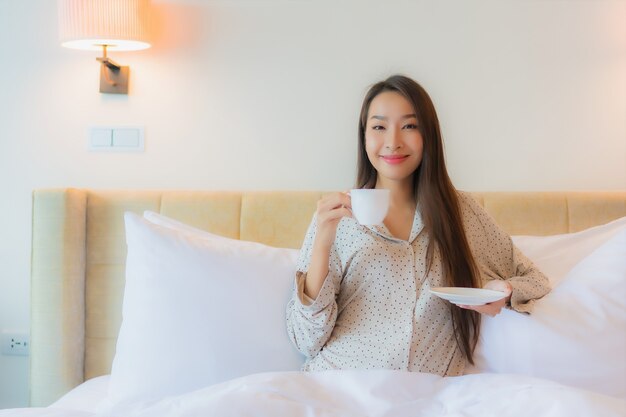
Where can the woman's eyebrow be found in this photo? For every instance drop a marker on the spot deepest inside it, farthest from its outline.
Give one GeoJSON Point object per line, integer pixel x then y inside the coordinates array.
{"type": "Point", "coordinates": [406, 116]}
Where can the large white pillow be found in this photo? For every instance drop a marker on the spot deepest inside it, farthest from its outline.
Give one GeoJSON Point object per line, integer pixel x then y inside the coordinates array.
{"type": "Point", "coordinates": [576, 334]}
{"type": "Point", "coordinates": [556, 255]}
{"type": "Point", "coordinates": [170, 223]}
{"type": "Point", "coordinates": [199, 310]}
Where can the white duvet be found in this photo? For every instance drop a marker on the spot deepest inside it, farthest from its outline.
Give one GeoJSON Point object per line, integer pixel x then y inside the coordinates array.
{"type": "Point", "coordinates": [383, 393]}
{"type": "Point", "coordinates": [367, 393]}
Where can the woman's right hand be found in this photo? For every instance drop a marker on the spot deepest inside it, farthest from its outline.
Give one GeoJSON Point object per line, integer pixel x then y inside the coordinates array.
{"type": "Point", "coordinates": [330, 209]}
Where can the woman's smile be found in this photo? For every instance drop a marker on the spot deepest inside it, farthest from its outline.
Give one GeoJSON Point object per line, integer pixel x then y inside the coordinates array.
{"type": "Point", "coordinates": [394, 159]}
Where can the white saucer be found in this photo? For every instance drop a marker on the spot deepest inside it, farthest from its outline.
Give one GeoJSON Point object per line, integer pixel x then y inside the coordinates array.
{"type": "Point", "coordinates": [467, 296]}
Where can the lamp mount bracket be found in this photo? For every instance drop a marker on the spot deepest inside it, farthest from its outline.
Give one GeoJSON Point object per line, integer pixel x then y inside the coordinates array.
{"type": "Point", "coordinates": [113, 76]}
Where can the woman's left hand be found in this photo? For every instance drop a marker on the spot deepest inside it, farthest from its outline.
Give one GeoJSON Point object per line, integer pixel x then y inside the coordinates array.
{"type": "Point", "coordinates": [493, 309]}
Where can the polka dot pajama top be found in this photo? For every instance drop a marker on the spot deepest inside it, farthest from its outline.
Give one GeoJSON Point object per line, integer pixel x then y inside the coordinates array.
{"type": "Point", "coordinates": [374, 310]}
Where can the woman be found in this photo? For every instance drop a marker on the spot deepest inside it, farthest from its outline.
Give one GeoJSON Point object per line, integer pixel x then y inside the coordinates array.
{"type": "Point", "coordinates": [361, 298]}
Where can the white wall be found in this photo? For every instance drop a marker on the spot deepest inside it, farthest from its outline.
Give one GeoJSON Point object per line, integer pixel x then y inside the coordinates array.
{"type": "Point", "coordinates": [264, 94]}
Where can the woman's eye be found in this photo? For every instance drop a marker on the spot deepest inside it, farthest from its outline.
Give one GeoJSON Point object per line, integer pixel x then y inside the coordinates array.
{"type": "Point", "coordinates": [410, 126]}
{"type": "Point", "coordinates": [378, 127]}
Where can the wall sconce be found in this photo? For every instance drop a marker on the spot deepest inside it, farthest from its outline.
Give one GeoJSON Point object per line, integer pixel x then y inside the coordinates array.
{"type": "Point", "coordinates": [106, 25]}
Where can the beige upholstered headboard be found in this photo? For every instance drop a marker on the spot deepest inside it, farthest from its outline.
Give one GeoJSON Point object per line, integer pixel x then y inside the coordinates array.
{"type": "Point", "coordinates": [79, 250]}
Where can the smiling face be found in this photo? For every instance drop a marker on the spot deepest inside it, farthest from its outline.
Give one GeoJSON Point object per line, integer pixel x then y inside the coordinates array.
{"type": "Point", "coordinates": [393, 141]}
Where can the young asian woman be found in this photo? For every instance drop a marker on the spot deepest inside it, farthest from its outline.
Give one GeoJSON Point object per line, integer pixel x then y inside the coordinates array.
{"type": "Point", "coordinates": [361, 298]}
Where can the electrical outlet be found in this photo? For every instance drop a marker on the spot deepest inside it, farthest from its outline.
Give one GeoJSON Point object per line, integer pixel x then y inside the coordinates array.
{"type": "Point", "coordinates": [15, 344]}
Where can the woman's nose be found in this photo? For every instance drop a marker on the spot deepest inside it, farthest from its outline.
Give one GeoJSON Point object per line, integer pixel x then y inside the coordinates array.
{"type": "Point", "coordinates": [393, 141]}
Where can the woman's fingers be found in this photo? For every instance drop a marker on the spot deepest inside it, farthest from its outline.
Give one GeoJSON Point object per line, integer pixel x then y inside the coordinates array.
{"type": "Point", "coordinates": [490, 309]}
{"type": "Point", "coordinates": [334, 206]}
{"type": "Point", "coordinates": [334, 214]}
{"type": "Point", "coordinates": [499, 285]}
{"type": "Point", "coordinates": [334, 201]}
{"type": "Point", "coordinates": [493, 309]}
{"type": "Point", "coordinates": [330, 209]}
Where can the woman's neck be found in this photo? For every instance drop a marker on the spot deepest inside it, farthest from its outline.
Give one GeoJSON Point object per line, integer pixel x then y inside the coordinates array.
{"type": "Point", "coordinates": [401, 213]}
{"type": "Point", "coordinates": [401, 194]}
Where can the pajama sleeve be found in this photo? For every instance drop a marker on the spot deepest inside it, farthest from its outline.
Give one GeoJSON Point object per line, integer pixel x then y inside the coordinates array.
{"type": "Point", "coordinates": [311, 322]}
{"type": "Point", "coordinates": [498, 258]}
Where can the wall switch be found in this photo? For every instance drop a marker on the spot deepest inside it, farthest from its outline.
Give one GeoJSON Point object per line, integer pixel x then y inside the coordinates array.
{"type": "Point", "coordinates": [116, 139]}
{"type": "Point", "coordinates": [15, 344]}
{"type": "Point", "coordinates": [100, 138]}
{"type": "Point", "coordinates": [127, 138]}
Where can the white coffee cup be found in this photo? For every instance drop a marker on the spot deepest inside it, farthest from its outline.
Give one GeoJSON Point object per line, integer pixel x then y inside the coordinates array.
{"type": "Point", "coordinates": [370, 206]}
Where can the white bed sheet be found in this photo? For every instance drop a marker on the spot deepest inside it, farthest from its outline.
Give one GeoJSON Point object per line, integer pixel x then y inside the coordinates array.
{"type": "Point", "coordinates": [348, 393]}
{"type": "Point", "coordinates": [379, 393]}
{"type": "Point", "coordinates": [82, 401]}
{"type": "Point", "coordinates": [86, 397]}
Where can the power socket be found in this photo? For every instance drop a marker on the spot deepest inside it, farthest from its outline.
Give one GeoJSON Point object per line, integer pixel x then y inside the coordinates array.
{"type": "Point", "coordinates": [17, 344]}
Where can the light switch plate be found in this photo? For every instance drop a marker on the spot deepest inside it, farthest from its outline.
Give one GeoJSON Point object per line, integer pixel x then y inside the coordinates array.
{"type": "Point", "coordinates": [100, 137]}
{"type": "Point", "coordinates": [116, 138]}
{"type": "Point", "coordinates": [127, 138]}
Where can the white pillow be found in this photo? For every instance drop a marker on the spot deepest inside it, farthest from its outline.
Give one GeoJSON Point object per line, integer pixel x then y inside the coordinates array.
{"type": "Point", "coordinates": [556, 255]}
{"type": "Point", "coordinates": [199, 310]}
{"type": "Point", "coordinates": [576, 334]}
{"type": "Point", "coordinates": [85, 397]}
{"type": "Point", "coordinates": [168, 222]}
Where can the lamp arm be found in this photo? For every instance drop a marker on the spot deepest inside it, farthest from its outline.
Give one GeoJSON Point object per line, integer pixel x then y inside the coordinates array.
{"type": "Point", "coordinates": [112, 65]}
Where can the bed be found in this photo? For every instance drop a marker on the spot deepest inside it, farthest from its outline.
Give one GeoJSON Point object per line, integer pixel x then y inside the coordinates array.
{"type": "Point", "coordinates": [79, 265]}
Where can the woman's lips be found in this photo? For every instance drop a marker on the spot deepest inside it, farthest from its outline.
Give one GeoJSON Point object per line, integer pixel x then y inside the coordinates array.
{"type": "Point", "coordinates": [394, 159]}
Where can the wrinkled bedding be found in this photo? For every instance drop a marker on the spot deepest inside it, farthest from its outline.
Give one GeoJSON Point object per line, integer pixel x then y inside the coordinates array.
{"type": "Point", "coordinates": [365, 393]}
{"type": "Point", "coordinates": [382, 393]}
